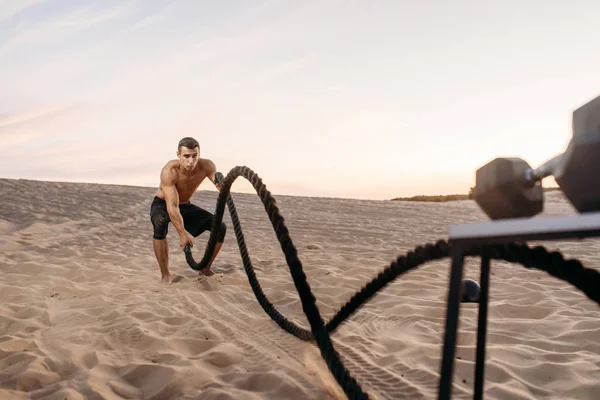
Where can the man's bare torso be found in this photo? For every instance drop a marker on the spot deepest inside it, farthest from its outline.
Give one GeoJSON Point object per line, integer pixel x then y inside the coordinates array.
{"type": "Point", "coordinates": [186, 184]}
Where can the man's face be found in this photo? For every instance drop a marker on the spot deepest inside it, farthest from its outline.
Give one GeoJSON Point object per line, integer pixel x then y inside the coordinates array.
{"type": "Point", "coordinates": [188, 157]}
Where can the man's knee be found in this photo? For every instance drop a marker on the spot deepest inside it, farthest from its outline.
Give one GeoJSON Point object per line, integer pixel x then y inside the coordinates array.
{"type": "Point", "coordinates": [222, 232]}
{"type": "Point", "coordinates": [160, 224]}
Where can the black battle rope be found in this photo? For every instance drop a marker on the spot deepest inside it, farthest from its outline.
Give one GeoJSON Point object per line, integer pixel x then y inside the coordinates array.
{"type": "Point", "coordinates": [585, 279]}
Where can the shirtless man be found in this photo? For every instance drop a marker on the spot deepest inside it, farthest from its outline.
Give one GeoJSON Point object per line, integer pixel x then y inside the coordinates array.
{"type": "Point", "coordinates": [179, 180]}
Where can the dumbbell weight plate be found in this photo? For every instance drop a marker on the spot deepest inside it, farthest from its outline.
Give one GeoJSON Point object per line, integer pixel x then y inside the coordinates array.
{"type": "Point", "coordinates": [501, 190]}
{"type": "Point", "coordinates": [578, 173]}
{"type": "Point", "coordinates": [586, 119]}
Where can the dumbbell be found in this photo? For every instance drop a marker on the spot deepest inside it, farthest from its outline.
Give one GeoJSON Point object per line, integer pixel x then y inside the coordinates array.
{"type": "Point", "coordinates": [511, 188]}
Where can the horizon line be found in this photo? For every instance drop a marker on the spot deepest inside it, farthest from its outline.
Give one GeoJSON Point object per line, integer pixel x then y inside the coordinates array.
{"type": "Point", "coordinates": [231, 191]}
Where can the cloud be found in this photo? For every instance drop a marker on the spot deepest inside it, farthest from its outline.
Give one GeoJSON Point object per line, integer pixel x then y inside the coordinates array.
{"type": "Point", "coordinates": [147, 21]}
{"type": "Point", "coordinates": [283, 68]}
{"type": "Point", "coordinates": [102, 143]}
{"type": "Point", "coordinates": [8, 120]}
{"type": "Point", "coordinates": [10, 8]}
{"type": "Point", "coordinates": [62, 25]}
{"type": "Point", "coordinates": [129, 63]}
{"type": "Point", "coordinates": [51, 121]}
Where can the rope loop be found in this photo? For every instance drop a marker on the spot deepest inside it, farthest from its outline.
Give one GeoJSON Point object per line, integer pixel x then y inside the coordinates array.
{"type": "Point", "coordinates": [585, 279]}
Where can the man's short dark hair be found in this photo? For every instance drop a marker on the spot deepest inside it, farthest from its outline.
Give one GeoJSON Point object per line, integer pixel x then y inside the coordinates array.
{"type": "Point", "coordinates": [188, 142]}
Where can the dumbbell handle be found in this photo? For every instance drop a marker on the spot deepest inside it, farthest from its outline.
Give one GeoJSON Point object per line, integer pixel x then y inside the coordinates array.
{"type": "Point", "coordinates": [546, 169]}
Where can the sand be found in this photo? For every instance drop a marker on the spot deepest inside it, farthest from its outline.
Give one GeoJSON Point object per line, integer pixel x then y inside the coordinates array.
{"type": "Point", "coordinates": [83, 315]}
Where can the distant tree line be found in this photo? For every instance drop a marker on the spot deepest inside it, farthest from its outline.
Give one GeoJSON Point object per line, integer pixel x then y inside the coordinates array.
{"type": "Point", "coordinates": [451, 197]}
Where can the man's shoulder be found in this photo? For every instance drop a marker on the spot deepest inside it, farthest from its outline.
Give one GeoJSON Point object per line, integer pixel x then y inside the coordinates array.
{"type": "Point", "coordinates": [169, 170]}
{"type": "Point", "coordinates": [171, 165]}
{"type": "Point", "coordinates": [207, 164]}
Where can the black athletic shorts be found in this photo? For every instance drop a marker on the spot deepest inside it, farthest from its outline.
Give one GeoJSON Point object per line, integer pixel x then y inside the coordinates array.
{"type": "Point", "coordinates": [195, 219]}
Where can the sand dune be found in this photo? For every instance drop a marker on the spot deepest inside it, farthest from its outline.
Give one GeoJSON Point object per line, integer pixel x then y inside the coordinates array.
{"type": "Point", "coordinates": [83, 315]}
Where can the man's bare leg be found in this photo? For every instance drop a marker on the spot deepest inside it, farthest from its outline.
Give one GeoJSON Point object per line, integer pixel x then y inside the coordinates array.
{"type": "Point", "coordinates": [207, 271]}
{"type": "Point", "coordinates": [161, 250]}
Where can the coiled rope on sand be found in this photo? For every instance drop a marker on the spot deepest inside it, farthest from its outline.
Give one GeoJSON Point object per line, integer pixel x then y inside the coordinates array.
{"type": "Point", "coordinates": [585, 279]}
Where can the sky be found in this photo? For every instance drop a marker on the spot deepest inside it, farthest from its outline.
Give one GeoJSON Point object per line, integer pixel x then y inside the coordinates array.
{"type": "Point", "coordinates": [330, 98]}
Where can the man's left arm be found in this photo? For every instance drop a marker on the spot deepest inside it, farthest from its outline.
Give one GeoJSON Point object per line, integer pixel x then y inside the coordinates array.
{"type": "Point", "coordinates": [211, 171]}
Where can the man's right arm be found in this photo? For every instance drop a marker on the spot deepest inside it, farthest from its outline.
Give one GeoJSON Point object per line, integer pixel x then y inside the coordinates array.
{"type": "Point", "coordinates": [167, 183]}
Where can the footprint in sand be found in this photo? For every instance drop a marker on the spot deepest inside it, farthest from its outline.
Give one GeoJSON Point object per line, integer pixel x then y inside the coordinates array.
{"type": "Point", "coordinates": [225, 269]}
{"type": "Point", "coordinates": [206, 284]}
{"type": "Point", "coordinates": [183, 277]}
